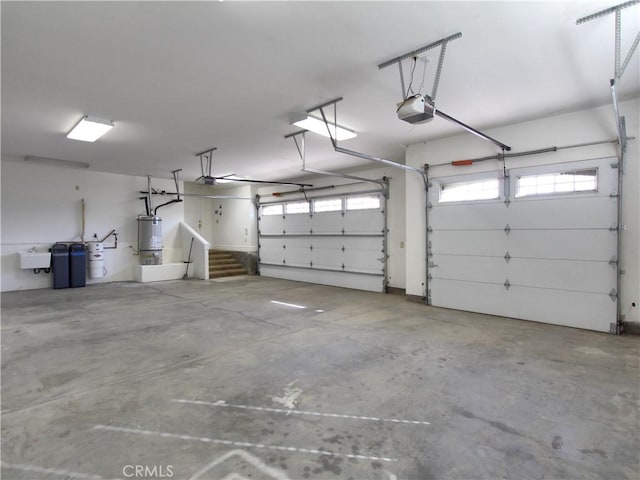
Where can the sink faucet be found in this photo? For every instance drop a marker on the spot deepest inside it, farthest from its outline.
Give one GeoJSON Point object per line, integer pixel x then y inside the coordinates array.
{"type": "Point", "coordinates": [32, 250]}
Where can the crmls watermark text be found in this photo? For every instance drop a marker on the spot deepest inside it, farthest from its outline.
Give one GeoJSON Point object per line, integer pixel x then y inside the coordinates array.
{"type": "Point", "coordinates": [147, 471]}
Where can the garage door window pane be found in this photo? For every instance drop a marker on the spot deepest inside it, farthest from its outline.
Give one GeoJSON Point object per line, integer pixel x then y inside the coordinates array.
{"type": "Point", "coordinates": [558, 182]}
{"type": "Point", "coordinates": [328, 205]}
{"type": "Point", "coordinates": [363, 203]}
{"type": "Point", "coordinates": [297, 207]}
{"type": "Point", "coordinates": [468, 191]}
{"type": "Point", "coordinates": [272, 209]}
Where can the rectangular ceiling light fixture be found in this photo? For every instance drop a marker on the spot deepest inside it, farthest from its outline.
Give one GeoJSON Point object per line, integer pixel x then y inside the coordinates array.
{"type": "Point", "coordinates": [317, 125]}
{"type": "Point", "coordinates": [89, 129]}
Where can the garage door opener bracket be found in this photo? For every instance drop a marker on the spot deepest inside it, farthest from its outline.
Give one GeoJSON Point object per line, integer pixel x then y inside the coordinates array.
{"type": "Point", "coordinates": [429, 100]}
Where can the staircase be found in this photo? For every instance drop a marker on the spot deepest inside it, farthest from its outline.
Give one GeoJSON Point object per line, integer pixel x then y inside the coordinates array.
{"type": "Point", "coordinates": [223, 264]}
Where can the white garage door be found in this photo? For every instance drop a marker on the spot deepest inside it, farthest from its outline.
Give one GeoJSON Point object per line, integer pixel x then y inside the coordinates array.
{"type": "Point", "coordinates": [539, 245]}
{"type": "Point", "coordinates": [337, 240]}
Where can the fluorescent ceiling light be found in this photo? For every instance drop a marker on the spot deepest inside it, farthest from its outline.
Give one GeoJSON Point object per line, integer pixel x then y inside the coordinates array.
{"type": "Point", "coordinates": [89, 129]}
{"type": "Point", "coordinates": [318, 126]}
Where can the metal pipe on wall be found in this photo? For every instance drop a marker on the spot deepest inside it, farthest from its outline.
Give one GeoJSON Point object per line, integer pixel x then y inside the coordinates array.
{"type": "Point", "coordinates": [622, 145]}
{"type": "Point", "coordinates": [149, 205]}
{"type": "Point", "coordinates": [155, 211]}
{"type": "Point", "coordinates": [501, 156]}
{"type": "Point", "coordinates": [82, 202]}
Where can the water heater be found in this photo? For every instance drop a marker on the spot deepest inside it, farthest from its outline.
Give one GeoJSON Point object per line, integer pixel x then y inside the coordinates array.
{"type": "Point", "coordinates": [150, 239]}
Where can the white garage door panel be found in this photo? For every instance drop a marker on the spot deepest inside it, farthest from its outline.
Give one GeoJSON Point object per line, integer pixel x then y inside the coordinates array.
{"type": "Point", "coordinates": [559, 244]}
{"type": "Point", "coordinates": [271, 224]}
{"type": "Point", "coordinates": [298, 224]}
{"type": "Point", "coordinates": [364, 254]}
{"type": "Point", "coordinates": [333, 248]}
{"type": "Point", "coordinates": [352, 244]}
{"type": "Point", "coordinates": [592, 312]}
{"type": "Point", "coordinates": [297, 253]}
{"type": "Point", "coordinates": [327, 257]}
{"type": "Point", "coordinates": [480, 242]}
{"type": "Point", "coordinates": [363, 222]}
{"type": "Point", "coordinates": [338, 279]}
{"type": "Point", "coordinates": [577, 212]}
{"type": "Point", "coordinates": [480, 216]}
{"type": "Point", "coordinates": [468, 268]}
{"type": "Point", "coordinates": [364, 261]}
{"type": "Point", "coordinates": [588, 277]}
{"type": "Point", "coordinates": [271, 250]}
{"type": "Point", "coordinates": [332, 223]}
{"type": "Point", "coordinates": [470, 296]}
{"type": "Point", "coordinates": [559, 249]}
{"type": "Point", "coordinates": [327, 252]}
{"type": "Point", "coordinates": [562, 244]}
{"type": "Point", "coordinates": [572, 309]}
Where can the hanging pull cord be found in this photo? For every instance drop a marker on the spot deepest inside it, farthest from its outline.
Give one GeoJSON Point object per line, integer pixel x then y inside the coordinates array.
{"type": "Point", "coordinates": [504, 163]}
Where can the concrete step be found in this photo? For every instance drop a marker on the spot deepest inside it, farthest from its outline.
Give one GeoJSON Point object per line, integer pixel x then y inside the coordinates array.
{"type": "Point", "coordinates": [221, 268]}
{"type": "Point", "coordinates": [220, 256]}
{"type": "Point", "coordinates": [221, 261]}
{"type": "Point", "coordinates": [228, 273]}
{"type": "Point", "coordinates": [223, 264]}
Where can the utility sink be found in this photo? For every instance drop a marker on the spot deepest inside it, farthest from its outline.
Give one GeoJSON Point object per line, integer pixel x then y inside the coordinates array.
{"type": "Point", "coordinates": [33, 260]}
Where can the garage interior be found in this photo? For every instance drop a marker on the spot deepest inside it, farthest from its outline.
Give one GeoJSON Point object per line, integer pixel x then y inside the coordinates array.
{"type": "Point", "coordinates": [439, 283]}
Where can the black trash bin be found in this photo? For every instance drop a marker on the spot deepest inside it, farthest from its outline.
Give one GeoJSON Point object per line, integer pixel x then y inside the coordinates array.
{"type": "Point", "coordinates": [60, 265]}
{"type": "Point", "coordinates": [77, 265]}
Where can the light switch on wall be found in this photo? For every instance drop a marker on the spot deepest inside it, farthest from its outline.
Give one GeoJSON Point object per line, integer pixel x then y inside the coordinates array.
{"type": "Point", "coordinates": [401, 244]}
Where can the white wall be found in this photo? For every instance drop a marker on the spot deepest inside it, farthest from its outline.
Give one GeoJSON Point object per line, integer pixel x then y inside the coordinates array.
{"type": "Point", "coordinates": [233, 224]}
{"type": "Point", "coordinates": [571, 128]}
{"type": "Point", "coordinates": [395, 205]}
{"type": "Point", "coordinates": [197, 210]}
{"type": "Point", "coordinates": [41, 205]}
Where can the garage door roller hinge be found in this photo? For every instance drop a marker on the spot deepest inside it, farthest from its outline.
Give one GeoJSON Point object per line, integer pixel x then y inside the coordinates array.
{"type": "Point", "coordinates": [613, 294]}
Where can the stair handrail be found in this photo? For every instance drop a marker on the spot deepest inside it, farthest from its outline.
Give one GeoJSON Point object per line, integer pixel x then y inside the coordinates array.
{"type": "Point", "coordinates": [199, 266]}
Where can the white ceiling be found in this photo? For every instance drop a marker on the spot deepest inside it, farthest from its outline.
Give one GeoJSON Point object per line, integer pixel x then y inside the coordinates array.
{"type": "Point", "coordinates": [179, 77]}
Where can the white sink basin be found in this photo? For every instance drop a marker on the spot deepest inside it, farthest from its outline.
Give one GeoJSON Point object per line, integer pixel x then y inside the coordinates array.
{"type": "Point", "coordinates": [33, 260]}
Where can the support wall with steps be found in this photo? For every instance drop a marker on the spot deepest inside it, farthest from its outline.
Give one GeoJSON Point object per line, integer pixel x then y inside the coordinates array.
{"type": "Point", "coordinates": [224, 264]}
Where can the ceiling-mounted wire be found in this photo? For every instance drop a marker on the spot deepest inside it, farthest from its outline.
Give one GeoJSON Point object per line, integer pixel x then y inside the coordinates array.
{"type": "Point", "coordinates": [413, 69]}
{"type": "Point", "coordinates": [424, 74]}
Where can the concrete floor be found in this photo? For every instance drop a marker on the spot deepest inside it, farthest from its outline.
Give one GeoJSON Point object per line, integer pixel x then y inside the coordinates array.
{"type": "Point", "coordinates": [212, 380]}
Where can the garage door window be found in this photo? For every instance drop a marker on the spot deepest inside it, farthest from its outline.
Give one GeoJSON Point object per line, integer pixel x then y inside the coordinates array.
{"type": "Point", "coordinates": [487, 189]}
{"type": "Point", "coordinates": [297, 207]}
{"type": "Point", "coordinates": [363, 203]}
{"type": "Point", "coordinates": [272, 210]}
{"type": "Point", "coordinates": [557, 182]}
{"type": "Point", "coordinates": [327, 205]}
